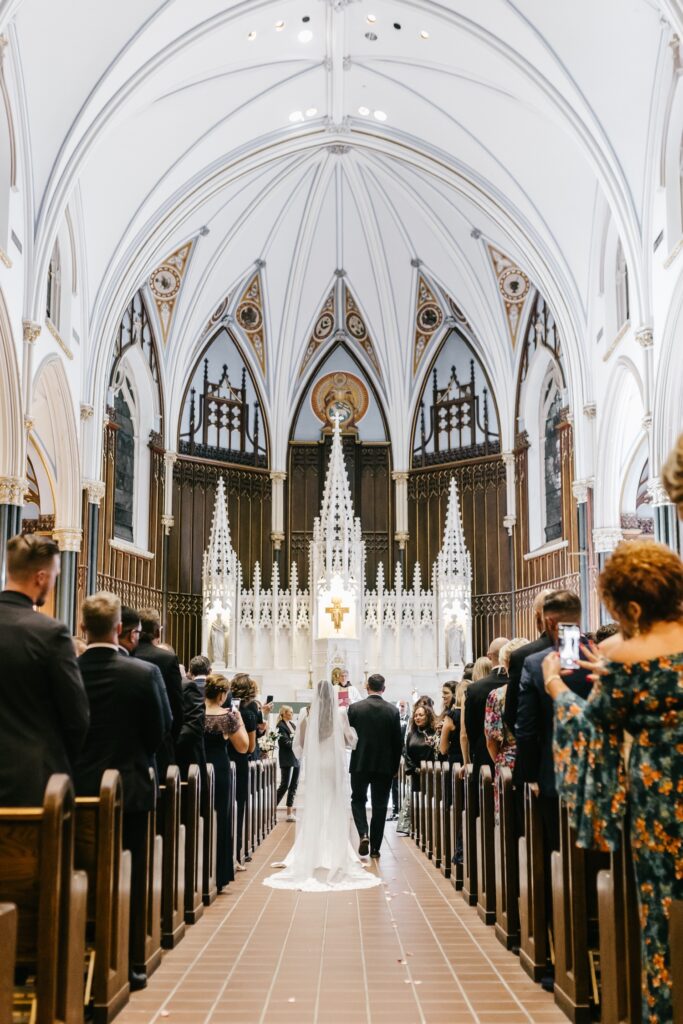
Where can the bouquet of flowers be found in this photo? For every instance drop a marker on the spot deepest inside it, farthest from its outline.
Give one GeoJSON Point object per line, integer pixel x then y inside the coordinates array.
{"type": "Point", "coordinates": [268, 742]}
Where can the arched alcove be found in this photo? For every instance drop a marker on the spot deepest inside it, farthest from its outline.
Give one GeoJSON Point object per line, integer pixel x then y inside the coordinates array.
{"type": "Point", "coordinates": [11, 425]}
{"type": "Point", "coordinates": [54, 429]}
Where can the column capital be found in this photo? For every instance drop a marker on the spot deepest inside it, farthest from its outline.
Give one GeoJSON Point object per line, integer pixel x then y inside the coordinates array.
{"type": "Point", "coordinates": [277, 538]}
{"type": "Point", "coordinates": [402, 539]}
{"type": "Point", "coordinates": [3, 47]}
{"type": "Point", "coordinates": [87, 411]}
{"type": "Point", "coordinates": [647, 421]}
{"type": "Point", "coordinates": [606, 538]}
{"type": "Point", "coordinates": [168, 523]}
{"type": "Point", "coordinates": [399, 475]}
{"type": "Point", "coordinates": [658, 493]}
{"type": "Point", "coordinates": [590, 410]}
{"type": "Point", "coordinates": [31, 330]}
{"type": "Point", "coordinates": [508, 458]}
{"type": "Point", "coordinates": [170, 459]}
{"type": "Point", "coordinates": [580, 489]}
{"type": "Point", "coordinates": [509, 522]}
{"type": "Point", "coordinates": [644, 337]}
{"type": "Point", "coordinates": [29, 422]}
{"type": "Point", "coordinates": [278, 475]}
{"type": "Point", "coordinates": [68, 538]}
{"type": "Point", "coordinates": [12, 490]}
{"type": "Point", "coordinates": [96, 490]}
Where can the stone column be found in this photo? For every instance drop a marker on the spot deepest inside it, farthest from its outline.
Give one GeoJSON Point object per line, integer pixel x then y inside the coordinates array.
{"type": "Point", "coordinates": [665, 518]}
{"type": "Point", "coordinates": [277, 513]}
{"type": "Point", "coordinates": [167, 522]}
{"type": "Point", "coordinates": [12, 489]}
{"type": "Point", "coordinates": [69, 540]}
{"type": "Point", "coordinates": [95, 490]}
{"type": "Point", "coordinates": [581, 490]}
{"type": "Point", "coordinates": [400, 478]}
{"type": "Point", "coordinates": [605, 539]}
{"type": "Point", "coordinates": [31, 333]}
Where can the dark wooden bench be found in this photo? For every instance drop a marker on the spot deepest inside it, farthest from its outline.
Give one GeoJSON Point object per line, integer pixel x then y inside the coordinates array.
{"type": "Point", "coordinates": [190, 799]}
{"type": "Point", "coordinates": [414, 811]}
{"type": "Point", "coordinates": [249, 822]}
{"type": "Point", "coordinates": [446, 821]}
{"type": "Point", "coordinates": [146, 918]}
{"type": "Point", "coordinates": [676, 945]}
{"type": "Point", "coordinates": [421, 836]}
{"type": "Point", "coordinates": [172, 831]}
{"type": "Point", "coordinates": [8, 954]}
{"type": "Point", "coordinates": [457, 805]}
{"type": "Point", "coordinates": [429, 810]}
{"type": "Point", "coordinates": [37, 875]}
{"type": "Point", "coordinates": [98, 851]}
{"type": "Point", "coordinates": [209, 888]}
{"type": "Point", "coordinates": [469, 837]}
{"type": "Point", "coordinates": [620, 985]}
{"type": "Point", "coordinates": [507, 866]}
{"type": "Point", "coordinates": [486, 858]}
{"type": "Point", "coordinates": [533, 945]}
{"type": "Point", "coordinates": [437, 814]}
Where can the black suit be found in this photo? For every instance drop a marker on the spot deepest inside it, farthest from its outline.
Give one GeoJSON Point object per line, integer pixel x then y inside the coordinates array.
{"type": "Point", "coordinates": [289, 764]}
{"type": "Point", "coordinates": [189, 746]}
{"type": "Point", "coordinates": [167, 663]}
{"type": "Point", "coordinates": [476, 696]}
{"type": "Point", "coordinates": [374, 762]}
{"type": "Point", "coordinates": [44, 712]}
{"type": "Point", "coordinates": [515, 667]}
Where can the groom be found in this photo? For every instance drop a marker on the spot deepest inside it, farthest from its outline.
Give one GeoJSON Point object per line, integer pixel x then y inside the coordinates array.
{"type": "Point", "coordinates": [374, 762]}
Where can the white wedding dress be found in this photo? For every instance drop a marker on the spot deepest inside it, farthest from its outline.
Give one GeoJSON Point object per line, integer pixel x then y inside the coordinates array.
{"type": "Point", "coordinates": [322, 858]}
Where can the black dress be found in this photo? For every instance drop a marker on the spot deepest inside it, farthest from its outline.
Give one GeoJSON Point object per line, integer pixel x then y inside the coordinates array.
{"type": "Point", "coordinates": [217, 728]}
{"type": "Point", "coordinates": [249, 715]}
{"type": "Point", "coordinates": [454, 755]}
{"type": "Point", "coordinates": [418, 748]}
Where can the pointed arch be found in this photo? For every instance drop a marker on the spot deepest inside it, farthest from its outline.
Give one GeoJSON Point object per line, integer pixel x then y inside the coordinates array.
{"type": "Point", "coordinates": [11, 423]}
{"type": "Point", "coordinates": [55, 428]}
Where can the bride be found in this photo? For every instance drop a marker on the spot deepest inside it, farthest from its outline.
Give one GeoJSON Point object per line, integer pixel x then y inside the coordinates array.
{"type": "Point", "coordinates": [322, 858]}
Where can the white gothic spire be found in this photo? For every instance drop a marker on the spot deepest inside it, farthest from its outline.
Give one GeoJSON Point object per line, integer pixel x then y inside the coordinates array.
{"type": "Point", "coordinates": [220, 560]}
{"type": "Point", "coordinates": [454, 558]}
{"type": "Point", "coordinates": [336, 522]}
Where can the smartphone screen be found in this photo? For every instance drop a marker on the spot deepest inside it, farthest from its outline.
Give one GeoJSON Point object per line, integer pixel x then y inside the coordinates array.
{"type": "Point", "coordinates": [269, 699]}
{"type": "Point", "coordinates": [569, 636]}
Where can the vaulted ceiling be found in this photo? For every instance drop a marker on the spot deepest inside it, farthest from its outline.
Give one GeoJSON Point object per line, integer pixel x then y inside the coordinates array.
{"type": "Point", "coordinates": [382, 138]}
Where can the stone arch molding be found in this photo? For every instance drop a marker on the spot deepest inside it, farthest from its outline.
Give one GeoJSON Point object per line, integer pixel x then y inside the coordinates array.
{"type": "Point", "coordinates": [12, 446]}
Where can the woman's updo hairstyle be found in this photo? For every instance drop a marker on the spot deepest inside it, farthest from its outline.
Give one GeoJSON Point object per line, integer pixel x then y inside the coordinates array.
{"type": "Point", "coordinates": [243, 687]}
{"type": "Point", "coordinates": [647, 573]}
{"type": "Point", "coordinates": [214, 686]}
{"type": "Point", "coordinates": [672, 476]}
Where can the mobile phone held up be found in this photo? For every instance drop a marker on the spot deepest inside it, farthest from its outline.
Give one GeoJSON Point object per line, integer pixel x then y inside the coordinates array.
{"type": "Point", "coordinates": [569, 638]}
{"type": "Point", "coordinates": [269, 699]}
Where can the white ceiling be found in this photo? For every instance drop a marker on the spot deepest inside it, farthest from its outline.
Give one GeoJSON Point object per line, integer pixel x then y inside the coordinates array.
{"type": "Point", "coordinates": [511, 118]}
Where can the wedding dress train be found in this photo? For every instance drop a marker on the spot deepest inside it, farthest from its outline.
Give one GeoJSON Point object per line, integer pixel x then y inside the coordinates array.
{"type": "Point", "coordinates": [322, 858]}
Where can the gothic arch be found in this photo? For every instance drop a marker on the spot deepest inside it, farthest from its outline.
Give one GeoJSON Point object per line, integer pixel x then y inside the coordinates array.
{"type": "Point", "coordinates": [11, 425]}
{"type": "Point", "coordinates": [54, 427]}
{"type": "Point", "coordinates": [621, 431]}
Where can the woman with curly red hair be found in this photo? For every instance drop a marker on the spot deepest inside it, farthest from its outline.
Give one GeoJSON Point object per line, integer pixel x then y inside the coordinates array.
{"type": "Point", "coordinates": [639, 690]}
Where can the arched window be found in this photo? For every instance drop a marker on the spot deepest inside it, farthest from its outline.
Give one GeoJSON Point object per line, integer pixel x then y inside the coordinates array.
{"type": "Point", "coordinates": [552, 469]}
{"type": "Point", "coordinates": [54, 287]}
{"type": "Point", "coordinates": [623, 304]}
{"type": "Point", "coordinates": [124, 497]}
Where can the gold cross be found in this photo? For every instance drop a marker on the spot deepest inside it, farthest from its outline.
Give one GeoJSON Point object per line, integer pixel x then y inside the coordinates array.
{"type": "Point", "coordinates": [336, 612]}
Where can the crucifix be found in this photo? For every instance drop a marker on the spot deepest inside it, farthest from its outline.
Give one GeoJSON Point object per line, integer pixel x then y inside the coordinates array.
{"type": "Point", "coordinates": [336, 612]}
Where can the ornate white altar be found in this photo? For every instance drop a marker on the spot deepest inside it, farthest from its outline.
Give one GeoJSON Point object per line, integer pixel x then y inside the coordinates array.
{"type": "Point", "coordinates": [416, 637]}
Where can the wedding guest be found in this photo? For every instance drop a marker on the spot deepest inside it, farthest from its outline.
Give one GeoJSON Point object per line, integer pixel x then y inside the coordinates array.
{"type": "Point", "coordinates": [167, 663]}
{"type": "Point", "coordinates": [480, 670]}
{"type": "Point", "coordinates": [243, 689]}
{"type": "Point", "coordinates": [474, 709]}
{"type": "Point", "coordinates": [449, 742]}
{"type": "Point", "coordinates": [44, 710]}
{"type": "Point", "coordinates": [500, 741]}
{"type": "Point", "coordinates": [200, 668]}
{"type": "Point", "coordinates": [128, 641]}
{"type": "Point", "coordinates": [420, 746]}
{"type": "Point", "coordinates": [224, 731]}
{"type": "Point", "coordinates": [542, 643]}
{"type": "Point", "coordinates": [638, 689]}
{"type": "Point", "coordinates": [402, 706]}
{"type": "Point", "coordinates": [131, 628]}
{"type": "Point", "coordinates": [289, 764]}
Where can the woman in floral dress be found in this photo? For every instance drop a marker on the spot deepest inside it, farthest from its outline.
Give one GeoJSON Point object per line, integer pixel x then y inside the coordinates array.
{"type": "Point", "coordinates": [639, 690]}
{"type": "Point", "coordinates": [500, 742]}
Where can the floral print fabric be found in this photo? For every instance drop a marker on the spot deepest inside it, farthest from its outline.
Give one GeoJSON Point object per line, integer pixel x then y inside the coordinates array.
{"type": "Point", "coordinates": [647, 701]}
{"type": "Point", "coordinates": [496, 730]}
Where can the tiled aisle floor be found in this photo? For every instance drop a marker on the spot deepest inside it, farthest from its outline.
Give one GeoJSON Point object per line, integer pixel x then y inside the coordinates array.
{"type": "Point", "coordinates": [406, 952]}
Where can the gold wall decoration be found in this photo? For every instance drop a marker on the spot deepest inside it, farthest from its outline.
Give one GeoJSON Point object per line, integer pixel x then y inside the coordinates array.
{"type": "Point", "coordinates": [340, 394]}
{"type": "Point", "coordinates": [514, 287]}
{"type": "Point", "coordinates": [249, 317]}
{"type": "Point", "coordinates": [428, 319]}
{"type": "Point", "coordinates": [164, 284]}
{"type": "Point", "coordinates": [356, 329]}
{"type": "Point", "coordinates": [323, 329]}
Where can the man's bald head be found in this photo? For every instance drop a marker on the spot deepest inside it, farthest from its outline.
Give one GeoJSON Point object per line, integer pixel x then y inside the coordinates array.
{"type": "Point", "coordinates": [495, 647]}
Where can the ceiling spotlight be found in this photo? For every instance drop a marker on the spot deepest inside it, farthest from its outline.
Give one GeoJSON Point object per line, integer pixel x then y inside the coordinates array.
{"type": "Point", "coordinates": [305, 18]}
{"type": "Point", "coordinates": [251, 37]}
{"type": "Point", "coordinates": [371, 36]}
{"type": "Point", "coordinates": [371, 19]}
{"type": "Point", "coordinates": [311, 112]}
{"type": "Point", "coordinates": [364, 111]}
{"type": "Point", "coordinates": [379, 115]}
{"type": "Point", "coordinates": [279, 25]}
{"type": "Point", "coordinates": [397, 26]}
{"type": "Point", "coordinates": [296, 116]}
{"type": "Point", "coordinates": [424, 34]}
{"type": "Point", "coordinates": [305, 35]}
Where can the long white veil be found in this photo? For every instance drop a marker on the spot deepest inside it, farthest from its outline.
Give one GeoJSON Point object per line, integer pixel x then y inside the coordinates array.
{"type": "Point", "coordinates": [322, 857]}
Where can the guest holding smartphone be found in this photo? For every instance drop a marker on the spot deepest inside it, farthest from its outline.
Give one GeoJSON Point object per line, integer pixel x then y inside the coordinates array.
{"type": "Point", "coordinates": [289, 764]}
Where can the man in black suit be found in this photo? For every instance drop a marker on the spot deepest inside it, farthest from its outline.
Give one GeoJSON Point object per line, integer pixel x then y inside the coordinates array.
{"type": "Point", "coordinates": [189, 747]}
{"type": "Point", "coordinates": [374, 762]}
{"type": "Point", "coordinates": [129, 638]}
{"type": "Point", "coordinates": [149, 649]}
{"type": "Point", "coordinates": [44, 712]}
{"type": "Point", "coordinates": [126, 728]}
{"type": "Point", "coordinates": [518, 657]}
{"type": "Point", "coordinates": [476, 696]}
{"type": "Point", "coordinates": [200, 668]}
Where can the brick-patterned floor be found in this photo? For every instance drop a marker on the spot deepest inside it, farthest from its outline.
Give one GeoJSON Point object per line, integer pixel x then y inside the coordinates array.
{"type": "Point", "coordinates": [406, 952]}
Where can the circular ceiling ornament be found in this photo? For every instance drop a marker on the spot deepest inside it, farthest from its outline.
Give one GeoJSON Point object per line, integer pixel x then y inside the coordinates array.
{"type": "Point", "coordinates": [165, 283]}
{"type": "Point", "coordinates": [248, 316]}
{"type": "Point", "coordinates": [355, 326]}
{"type": "Point", "coordinates": [429, 317]}
{"type": "Point", "coordinates": [514, 285]}
{"type": "Point", "coordinates": [324, 326]}
{"type": "Point", "coordinates": [340, 394]}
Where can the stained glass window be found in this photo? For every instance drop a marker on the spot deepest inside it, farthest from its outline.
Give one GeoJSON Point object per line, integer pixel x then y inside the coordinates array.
{"type": "Point", "coordinates": [125, 470]}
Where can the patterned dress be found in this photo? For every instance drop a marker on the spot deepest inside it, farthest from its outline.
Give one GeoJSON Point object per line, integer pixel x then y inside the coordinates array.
{"type": "Point", "coordinates": [646, 699]}
{"type": "Point", "coordinates": [495, 729]}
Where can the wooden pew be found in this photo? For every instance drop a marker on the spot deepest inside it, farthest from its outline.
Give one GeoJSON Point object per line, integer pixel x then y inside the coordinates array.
{"type": "Point", "coordinates": [469, 837]}
{"type": "Point", "coordinates": [620, 989]}
{"type": "Point", "coordinates": [446, 821]}
{"type": "Point", "coordinates": [37, 875]}
{"type": "Point", "coordinates": [190, 799]}
{"type": "Point", "coordinates": [8, 953]}
{"type": "Point", "coordinates": [260, 804]}
{"type": "Point", "coordinates": [437, 814]}
{"type": "Point", "coordinates": [428, 847]}
{"type": "Point", "coordinates": [99, 852]}
{"type": "Point", "coordinates": [486, 861]}
{"type": "Point", "coordinates": [172, 831]}
{"type": "Point", "coordinates": [507, 867]}
{"type": "Point", "coordinates": [414, 811]}
{"type": "Point", "coordinates": [533, 945]}
{"type": "Point", "coordinates": [249, 826]}
{"type": "Point", "coordinates": [146, 938]}
{"type": "Point", "coordinates": [676, 944]}
{"type": "Point", "coordinates": [209, 888]}
{"type": "Point", "coordinates": [457, 804]}
{"type": "Point", "coordinates": [575, 922]}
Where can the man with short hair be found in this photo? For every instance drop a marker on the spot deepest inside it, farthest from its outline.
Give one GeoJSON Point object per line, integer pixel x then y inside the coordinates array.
{"type": "Point", "coordinates": [128, 641]}
{"type": "Point", "coordinates": [167, 663]}
{"type": "Point", "coordinates": [374, 762]}
{"type": "Point", "coordinates": [44, 710]}
{"type": "Point", "coordinates": [126, 729]}
{"type": "Point", "coordinates": [474, 711]}
{"type": "Point", "coordinates": [518, 657]}
{"type": "Point", "coordinates": [200, 668]}
{"type": "Point", "coordinates": [189, 746]}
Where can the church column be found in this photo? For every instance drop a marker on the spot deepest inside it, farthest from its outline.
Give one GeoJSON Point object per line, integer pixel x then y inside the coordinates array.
{"type": "Point", "coordinates": [167, 522]}
{"type": "Point", "coordinates": [69, 540]}
{"type": "Point", "coordinates": [665, 518]}
{"type": "Point", "coordinates": [277, 513]}
{"type": "Point", "coordinates": [605, 539]}
{"type": "Point", "coordinates": [582, 490]}
{"type": "Point", "coordinates": [509, 522]}
{"type": "Point", "coordinates": [645, 340]}
{"type": "Point", "coordinates": [12, 490]}
{"type": "Point", "coordinates": [95, 490]}
{"type": "Point", "coordinates": [400, 478]}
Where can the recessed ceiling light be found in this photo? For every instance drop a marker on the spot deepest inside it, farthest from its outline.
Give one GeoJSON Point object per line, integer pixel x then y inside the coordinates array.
{"type": "Point", "coordinates": [279, 25]}
{"type": "Point", "coordinates": [364, 111]}
{"type": "Point", "coordinates": [371, 19]}
{"type": "Point", "coordinates": [296, 116]}
{"type": "Point", "coordinates": [371, 36]}
{"type": "Point", "coordinates": [379, 115]}
{"type": "Point", "coordinates": [305, 18]}
{"type": "Point", "coordinates": [397, 26]}
{"type": "Point", "coordinates": [311, 112]}
{"type": "Point", "coordinates": [305, 35]}
{"type": "Point", "coordinates": [424, 34]}
{"type": "Point", "coordinates": [251, 37]}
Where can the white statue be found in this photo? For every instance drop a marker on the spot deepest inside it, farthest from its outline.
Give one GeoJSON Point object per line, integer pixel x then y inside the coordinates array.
{"type": "Point", "coordinates": [455, 643]}
{"type": "Point", "coordinates": [217, 638]}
